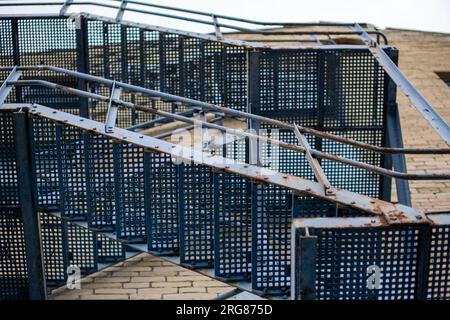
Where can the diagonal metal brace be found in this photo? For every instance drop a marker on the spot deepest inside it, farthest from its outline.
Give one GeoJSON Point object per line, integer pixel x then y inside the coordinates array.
{"type": "Point", "coordinates": [6, 88]}
{"type": "Point", "coordinates": [313, 162]}
{"type": "Point", "coordinates": [417, 100]}
{"type": "Point", "coordinates": [113, 108]}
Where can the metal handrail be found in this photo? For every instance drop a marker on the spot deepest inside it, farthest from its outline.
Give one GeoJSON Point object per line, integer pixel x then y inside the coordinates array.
{"type": "Point", "coordinates": [235, 113]}
{"type": "Point", "coordinates": [120, 8]}
{"type": "Point", "coordinates": [293, 127]}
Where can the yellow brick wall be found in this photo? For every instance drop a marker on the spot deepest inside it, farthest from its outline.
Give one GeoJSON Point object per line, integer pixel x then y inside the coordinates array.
{"type": "Point", "coordinates": [421, 55]}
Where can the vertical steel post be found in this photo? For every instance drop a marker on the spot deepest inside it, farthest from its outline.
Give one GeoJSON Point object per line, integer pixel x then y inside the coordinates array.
{"type": "Point", "coordinates": [253, 102]}
{"type": "Point", "coordinates": [81, 34]}
{"type": "Point", "coordinates": [16, 52]}
{"type": "Point", "coordinates": [423, 262]}
{"type": "Point", "coordinates": [30, 215]}
{"type": "Point", "coordinates": [390, 94]}
{"type": "Point", "coordinates": [393, 138]}
{"type": "Point", "coordinates": [303, 264]}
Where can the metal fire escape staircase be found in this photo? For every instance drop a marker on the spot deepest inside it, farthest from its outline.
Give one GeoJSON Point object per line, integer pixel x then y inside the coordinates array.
{"type": "Point", "coordinates": [294, 206]}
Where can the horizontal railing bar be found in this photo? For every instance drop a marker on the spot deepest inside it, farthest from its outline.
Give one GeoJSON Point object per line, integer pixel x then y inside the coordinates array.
{"type": "Point", "coordinates": [315, 153]}
{"type": "Point", "coordinates": [236, 113]}
{"type": "Point", "coordinates": [396, 213]}
{"type": "Point", "coordinates": [205, 22]}
{"type": "Point", "coordinates": [187, 128]}
{"type": "Point", "coordinates": [266, 23]}
{"type": "Point", "coordinates": [161, 120]}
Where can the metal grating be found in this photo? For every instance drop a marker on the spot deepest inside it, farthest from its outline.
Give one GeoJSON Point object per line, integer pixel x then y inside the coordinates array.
{"type": "Point", "coordinates": [344, 256]}
{"type": "Point", "coordinates": [109, 250]}
{"type": "Point", "coordinates": [162, 199]}
{"type": "Point", "coordinates": [439, 268]}
{"type": "Point", "coordinates": [54, 249]}
{"type": "Point", "coordinates": [13, 267]}
{"type": "Point", "coordinates": [271, 218]}
{"type": "Point", "coordinates": [101, 183]}
{"type": "Point", "coordinates": [351, 178]}
{"type": "Point", "coordinates": [129, 192]}
{"type": "Point", "coordinates": [9, 193]}
{"type": "Point", "coordinates": [38, 46]}
{"type": "Point", "coordinates": [46, 148]}
{"type": "Point", "coordinates": [73, 181]}
{"type": "Point", "coordinates": [196, 216]}
{"type": "Point", "coordinates": [81, 248]}
{"type": "Point", "coordinates": [232, 225]}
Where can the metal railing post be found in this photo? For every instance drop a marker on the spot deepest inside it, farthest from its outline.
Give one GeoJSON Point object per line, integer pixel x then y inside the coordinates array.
{"type": "Point", "coordinates": [81, 34]}
{"type": "Point", "coordinates": [393, 138]}
{"type": "Point", "coordinates": [30, 215]}
{"type": "Point", "coordinates": [303, 264]}
{"type": "Point", "coordinates": [253, 102]}
{"type": "Point", "coordinates": [423, 262]}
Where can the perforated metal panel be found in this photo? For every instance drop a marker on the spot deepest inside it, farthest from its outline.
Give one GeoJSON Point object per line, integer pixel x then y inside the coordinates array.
{"type": "Point", "coordinates": [6, 50]}
{"type": "Point", "coordinates": [344, 256]}
{"type": "Point", "coordinates": [439, 268]}
{"type": "Point", "coordinates": [129, 192]}
{"type": "Point", "coordinates": [163, 199]}
{"type": "Point", "coordinates": [197, 216]}
{"type": "Point", "coordinates": [109, 250]}
{"type": "Point", "coordinates": [13, 267]}
{"type": "Point", "coordinates": [54, 249]}
{"type": "Point", "coordinates": [351, 178]}
{"type": "Point", "coordinates": [46, 153]}
{"type": "Point", "coordinates": [73, 175]}
{"type": "Point", "coordinates": [81, 248]}
{"type": "Point", "coordinates": [9, 194]}
{"type": "Point", "coordinates": [232, 223]}
{"type": "Point", "coordinates": [271, 218]}
{"type": "Point", "coordinates": [101, 183]}
{"type": "Point", "coordinates": [48, 41]}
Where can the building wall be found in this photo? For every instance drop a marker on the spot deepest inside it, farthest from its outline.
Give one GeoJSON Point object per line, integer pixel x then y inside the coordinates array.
{"type": "Point", "coordinates": [421, 55]}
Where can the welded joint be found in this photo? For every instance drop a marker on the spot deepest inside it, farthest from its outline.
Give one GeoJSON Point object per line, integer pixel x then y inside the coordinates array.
{"type": "Point", "coordinates": [113, 108]}
{"type": "Point", "coordinates": [314, 163]}
{"type": "Point", "coordinates": [7, 86]}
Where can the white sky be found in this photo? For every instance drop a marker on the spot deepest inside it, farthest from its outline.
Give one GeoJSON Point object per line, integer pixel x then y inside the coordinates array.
{"type": "Point", "coordinates": [429, 15]}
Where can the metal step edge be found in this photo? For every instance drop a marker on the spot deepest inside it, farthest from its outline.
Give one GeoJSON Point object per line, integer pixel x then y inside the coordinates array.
{"type": "Point", "coordinates": [244, 286]}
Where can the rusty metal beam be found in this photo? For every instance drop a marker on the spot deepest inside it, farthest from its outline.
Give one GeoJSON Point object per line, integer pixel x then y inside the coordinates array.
{"type": "Point", "coordinates": [235, 113]}
{"type": "Point", "coordinates": [313, 152]}
{"type": "Point", "coordinates": [395, 213]}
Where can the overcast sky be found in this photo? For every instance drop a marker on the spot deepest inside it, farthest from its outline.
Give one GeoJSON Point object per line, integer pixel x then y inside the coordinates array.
{"type": "Point", "coordinates": [430, 15]}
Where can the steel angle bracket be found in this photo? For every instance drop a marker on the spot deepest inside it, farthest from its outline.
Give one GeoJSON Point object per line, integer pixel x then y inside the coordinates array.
{"type": "Point", "coordinates": [113, 108]}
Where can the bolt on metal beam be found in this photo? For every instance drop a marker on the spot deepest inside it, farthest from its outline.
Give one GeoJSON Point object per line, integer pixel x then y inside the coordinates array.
{"type": "Point", "coordinates": [399, 213]}
{"type": "Point", "coordinates": [113, 108]}
{"type": "Point", "coordinates": [236, 113]}
{"type": "Point", "coordinates": [315, 153]}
